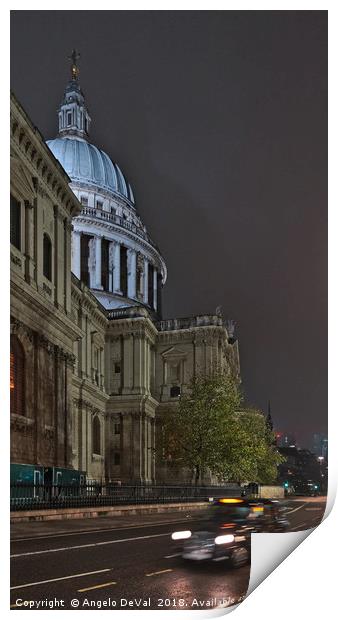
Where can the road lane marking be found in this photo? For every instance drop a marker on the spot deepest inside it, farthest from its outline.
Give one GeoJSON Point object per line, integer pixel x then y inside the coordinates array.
{"type": "Point", "coordinates": [100, 585]}
{"type": "Point", "coordinates": [159, 572]}
{"type": "Point", "coordinates": [174, 555]}
{"type": "Point", "coordinates": [313, 508]}
{"type": "Point", "coordinates": [110, 529]}
{"type": "Point", "coordinates": [295, 509]}
{"type": "Point", "coordinates": [99, 544]}
{"type": "Point", "coordinates": [38, 583]}
{"type": "Point", "coordinates": [296, 527]}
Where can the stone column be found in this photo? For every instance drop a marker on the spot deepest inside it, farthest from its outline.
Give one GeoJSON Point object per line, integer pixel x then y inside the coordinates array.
{"type": "Point", "coordinates": [35, 240]}
{"type": "Point", "coordinates": [155, 289]}
{"type": "Point", "coordinates": [139, 384]}
{"type": "Point", "coordinates": [29, 238]}
{"type": "Point", "coordinates": [76, 253]}
{"type": "Point", "coordinates": [209, 356]}
{"type": "Point", "coordinates": [101, 354]}
{"type": "Point", "coordinates": [126, 467]}
{"type": "Point", "coordinates": [147, 363]}
{"type": "Point", "coordinates": [67, 283]}
{"type": "Point", "coordinates": [131, 273]}
{"type": "Point", "coordinates": [68, 410]}
{"type": "Point", "coordinates": [150, 450]}
{"type": "Point", "coordinates": [117, 269]}
{"type": "Point", "coordinates": [146, 449]}
{"type": "Point", "coordinates": [57, 256]}
{"type": "Point", "coordinates": [152, 432]}
{"type": "Point", "coordinates": [84, 436]}
{"type": "Point", "coordinates": [91, 262]}
{"type": "Point", "coordinates": [138, 461]}
{"type": "Point", "coordinates": [98, 272]}
{"type": "Point", "coordinates": [111, 265]}
{"type": "Point", "coordinates": [39, 242]}
{"type": "Point", "coordinates": [145, 281]}
{"type": "Point", "coordinates": [128, 364]}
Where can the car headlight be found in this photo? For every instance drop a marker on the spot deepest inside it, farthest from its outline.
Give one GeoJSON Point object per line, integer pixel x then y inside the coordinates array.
{"type": "Point", "coordinates": [181, 535]}
{"type": "Point", "coordinates": [226, 538]}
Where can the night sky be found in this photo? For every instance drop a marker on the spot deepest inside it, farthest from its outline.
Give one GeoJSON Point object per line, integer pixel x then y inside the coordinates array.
{"type": "Point", "coordinates": [219, 121]}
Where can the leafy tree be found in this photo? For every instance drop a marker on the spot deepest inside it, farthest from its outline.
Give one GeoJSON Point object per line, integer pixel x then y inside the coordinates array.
{"type": "Point", "coordinates": [248, 451]}
{"type": "Point", "coordinates": [191, 433]}
{"type": "Point", "coordinates": [210, 430]}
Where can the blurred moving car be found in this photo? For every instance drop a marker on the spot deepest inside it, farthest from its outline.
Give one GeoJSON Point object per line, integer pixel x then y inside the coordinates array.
{"type": "Point", "coordinates": [308, 488]}
{"type": "Point", "coordinates": [226, 530]}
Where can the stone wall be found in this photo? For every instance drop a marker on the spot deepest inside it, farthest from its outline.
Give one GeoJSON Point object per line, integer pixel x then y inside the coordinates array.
{"type": "Point", "coordinates": [186, 348]}
{"type": "Point", "coordinates": [40, 305]}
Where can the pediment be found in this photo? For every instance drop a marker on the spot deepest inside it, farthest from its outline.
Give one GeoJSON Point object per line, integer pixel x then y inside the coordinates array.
{"type": "Point", "coordinates": [174, 352]}
{"type": "Point", "coordinates": [21, 179]}
{"type": "Point", "coordinates": [97, 339]}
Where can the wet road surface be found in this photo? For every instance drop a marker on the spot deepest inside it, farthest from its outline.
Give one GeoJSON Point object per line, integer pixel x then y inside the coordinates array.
{"type": "Point", "coordinates": [126, 563]}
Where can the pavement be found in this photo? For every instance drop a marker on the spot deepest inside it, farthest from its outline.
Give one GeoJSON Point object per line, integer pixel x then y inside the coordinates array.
{"type": "Point", "coordinates": [126, 563]}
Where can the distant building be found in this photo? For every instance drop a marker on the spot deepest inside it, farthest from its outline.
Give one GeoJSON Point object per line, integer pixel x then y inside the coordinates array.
{"type": "Point", "coordinates": [299, 466]}
{"type": "Point", "coordinates": [320, 445]}
{"type": "Point", "coordinates": [285, 440]}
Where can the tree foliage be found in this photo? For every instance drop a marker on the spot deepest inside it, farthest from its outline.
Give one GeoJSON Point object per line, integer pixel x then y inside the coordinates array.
{"type": "Point", "coordinates": [211, 430]}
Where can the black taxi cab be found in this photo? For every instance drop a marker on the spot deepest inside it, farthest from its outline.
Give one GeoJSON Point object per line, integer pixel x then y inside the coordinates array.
{"type": "Point", "coordinates": [225, 531]}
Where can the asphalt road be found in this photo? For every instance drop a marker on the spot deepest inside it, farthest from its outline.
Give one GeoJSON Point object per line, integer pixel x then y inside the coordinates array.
{"type": "Point", "coordinates": [115, 563]}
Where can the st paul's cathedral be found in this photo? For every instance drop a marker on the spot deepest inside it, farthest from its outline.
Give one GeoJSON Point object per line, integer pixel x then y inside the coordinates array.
{"type": "Point", "coordinates": [94, 368]}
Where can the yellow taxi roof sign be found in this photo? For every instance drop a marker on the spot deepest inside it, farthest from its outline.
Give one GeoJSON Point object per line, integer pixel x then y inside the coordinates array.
{"type": "Point", "coordinates": [227, 500]}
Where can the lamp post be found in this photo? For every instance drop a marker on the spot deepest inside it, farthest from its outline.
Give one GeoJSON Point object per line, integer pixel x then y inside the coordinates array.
{"type": "Point", "coordinates": [321, 461]}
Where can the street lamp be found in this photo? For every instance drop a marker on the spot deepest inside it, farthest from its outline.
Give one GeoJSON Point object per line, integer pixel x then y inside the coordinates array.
{"type": "Point", "coordinates": [321, 462]}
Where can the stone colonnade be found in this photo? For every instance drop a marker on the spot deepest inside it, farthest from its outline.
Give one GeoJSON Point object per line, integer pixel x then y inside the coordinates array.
{"type": "Point", "coordinates": [127, 272]}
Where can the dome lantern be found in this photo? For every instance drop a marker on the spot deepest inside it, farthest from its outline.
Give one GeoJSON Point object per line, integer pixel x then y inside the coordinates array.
{"type": "Point", "coordinates": [74, 119]}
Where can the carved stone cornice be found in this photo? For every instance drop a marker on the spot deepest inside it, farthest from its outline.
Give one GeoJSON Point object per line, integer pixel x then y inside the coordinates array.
{"type": "Point", "coordinates": [40, 190]}
{"type": "Point", "coordinates": [51, 178]}
{"type": "Point", "coordinates": [44, 343]}
{"type": "Point", "coordinates": [20, 329]}
{"type": "Point", "coordinates": [81, 403]}
{"type": "Point", "coordinates": [21, 424]}
{"type": "Point", "coordinates": [16, 260]}
{"type": "Point", "coordinates": [55, 350]}
{"type": "Point", "coordinates": [60, 354]}
{"type": "Point", "coordinates": [70, 358]}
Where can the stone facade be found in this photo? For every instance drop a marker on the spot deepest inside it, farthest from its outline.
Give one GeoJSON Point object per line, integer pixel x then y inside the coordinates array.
{"type": "Point", "coordinates": [90, 384]}
{"type": "Point", "coordinates": [42, 329]}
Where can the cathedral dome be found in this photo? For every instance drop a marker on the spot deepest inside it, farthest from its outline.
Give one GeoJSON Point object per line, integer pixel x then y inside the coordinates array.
{"type": "Point", "coordinates": [112, 252]}
{"type": "Point", "coordinates": [85, 163]}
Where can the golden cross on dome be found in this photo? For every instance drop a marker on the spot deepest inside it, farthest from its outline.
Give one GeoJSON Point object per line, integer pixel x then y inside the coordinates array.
{"type": "Point", "coordinates": [74, 67]}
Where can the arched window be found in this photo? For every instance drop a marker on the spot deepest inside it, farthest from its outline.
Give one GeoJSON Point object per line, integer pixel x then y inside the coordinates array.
{"type": "Point", "coordinates": [96, 435]}
{"type": "Point", "coordinates": [47, 257]}
{"type": "Point", "coordinates": [17, 377]}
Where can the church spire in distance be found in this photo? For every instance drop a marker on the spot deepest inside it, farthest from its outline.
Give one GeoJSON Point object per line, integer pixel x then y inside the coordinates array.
{"type": "Point", "coordinates": [74, 119]}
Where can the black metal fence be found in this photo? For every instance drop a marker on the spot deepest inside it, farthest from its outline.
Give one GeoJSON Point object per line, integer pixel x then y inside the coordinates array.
{"type": "Point", "coordinates": [36, 496]}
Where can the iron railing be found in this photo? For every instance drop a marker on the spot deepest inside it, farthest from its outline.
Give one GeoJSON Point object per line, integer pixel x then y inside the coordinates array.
{"type": "Point", "coordinates": [44, 496]}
